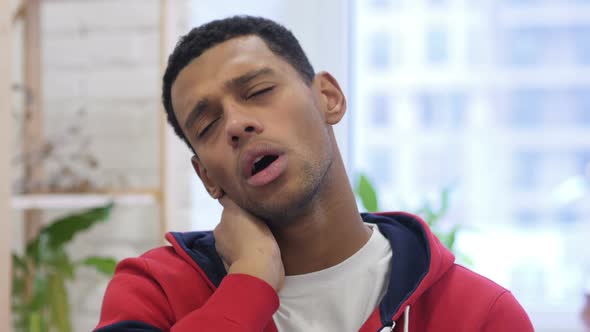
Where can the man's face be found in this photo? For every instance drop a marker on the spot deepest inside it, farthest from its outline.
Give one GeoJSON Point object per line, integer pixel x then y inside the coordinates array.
{"type": "Point", "coordinates": [262, 135]}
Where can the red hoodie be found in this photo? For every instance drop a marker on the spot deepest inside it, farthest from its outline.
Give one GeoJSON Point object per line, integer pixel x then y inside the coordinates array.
{"type": "Point", "coordinates": [184, 288]}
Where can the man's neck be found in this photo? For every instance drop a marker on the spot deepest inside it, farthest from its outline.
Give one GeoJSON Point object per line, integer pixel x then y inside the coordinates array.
{"type": "Point", "coordinates": [329, 233]}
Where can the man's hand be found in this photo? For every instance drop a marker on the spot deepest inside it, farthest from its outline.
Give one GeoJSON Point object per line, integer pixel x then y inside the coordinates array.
{"type": "Point", "coordinates": [247, 245]}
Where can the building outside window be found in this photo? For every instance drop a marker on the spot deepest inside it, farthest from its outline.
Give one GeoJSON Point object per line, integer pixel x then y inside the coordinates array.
{"type": "Point", "coordinates": [492, 98]}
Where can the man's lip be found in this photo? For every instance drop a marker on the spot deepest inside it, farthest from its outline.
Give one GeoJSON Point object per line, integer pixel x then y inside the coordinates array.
{"type": "Point", "coordinates": [270, 173]}
{"type": "Point", "coordinates": [254, 151]}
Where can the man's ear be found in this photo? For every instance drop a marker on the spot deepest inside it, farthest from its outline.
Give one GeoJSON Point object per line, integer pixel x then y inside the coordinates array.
{"type": "Point", "coordinates": [331, 97]}
{"type": "Point", "coordinates": [212, 188]}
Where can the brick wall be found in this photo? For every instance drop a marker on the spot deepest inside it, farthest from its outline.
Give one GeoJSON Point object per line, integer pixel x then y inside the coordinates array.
{"type": "Point", "coordinates": [101, 58]}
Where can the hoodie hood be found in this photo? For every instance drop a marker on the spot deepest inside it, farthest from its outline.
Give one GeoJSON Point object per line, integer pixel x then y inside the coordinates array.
{"type": "Point", "coordinates": [419, 261]}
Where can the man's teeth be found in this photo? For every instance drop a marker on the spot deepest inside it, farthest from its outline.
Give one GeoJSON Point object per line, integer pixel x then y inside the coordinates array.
{"type": "Point", "coordinates": [258, 159]}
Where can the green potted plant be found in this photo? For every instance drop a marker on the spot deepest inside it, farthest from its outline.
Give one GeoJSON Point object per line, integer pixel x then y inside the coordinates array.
{"type": "Point", "coordinates": [39, 275]}
{"type": "Point", "coordinates": [367, 194]}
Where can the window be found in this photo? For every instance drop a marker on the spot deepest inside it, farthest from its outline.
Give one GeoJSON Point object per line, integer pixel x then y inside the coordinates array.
{"type": "Point", "coordinates": [428, 109]}
{"type": "Point", "coordinates": [442, 110]}
{"type": "Point", "coordinates": [583, 163]}
{"type": "Point", "coordinates": [380, 166]}
{"type": "Point", "coordinates": [526, 107]}
{"type": "Point", "coordinates": [457, 107]}
{"type": "Point", "coordinates": [526, 166]}
{"type": "Point", "coordinates": [527, 217]}
{"type": "Point", "coordinates": [380, 109]}
{"type": "Point", "coordinates": [581, 99]}
{"type": "Point", "coordinates": [522, 2]}
{"type": "Point", "coordinates": [582, 44]}
{"type": "Point", "coordinates": [437, 51]}
{"type": "Point", "coordinates": [380, 50]}
{"type": "Point", "coordinates": [507, 141]}
{"type": "Point", "coordinates": [437, 3]}
{"type": "Point", "coordinates": [448, 169]}
{"type": "Point", "coordinates": [567, 216]}
{"type": "Point", "coordinates": [383, 4]}
{"type": "Point", "coordinates": [524, 46]}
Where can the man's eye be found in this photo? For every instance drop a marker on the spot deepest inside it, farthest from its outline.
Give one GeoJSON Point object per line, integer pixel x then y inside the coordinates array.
{"type": "Point", "coordinates": [206, 129]}
{"type": "Point", "coordinates": [260, 92]}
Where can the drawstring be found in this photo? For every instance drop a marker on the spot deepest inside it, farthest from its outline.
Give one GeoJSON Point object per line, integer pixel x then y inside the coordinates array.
{"type": "Point", "coordinates": [406, 322]}
{"type": "Point", "coordinates": [407, 319]}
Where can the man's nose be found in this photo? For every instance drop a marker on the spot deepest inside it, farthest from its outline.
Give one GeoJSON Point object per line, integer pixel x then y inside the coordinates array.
{"type": "Point", "coordinates": [240, 125]}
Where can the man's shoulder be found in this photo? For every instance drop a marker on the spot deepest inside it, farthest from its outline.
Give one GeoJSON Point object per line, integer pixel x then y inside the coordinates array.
{"type": "Point", "coordinates": [154, 260]}
{"type": "Point", "coordinates": [462, 279]}
{"type": "Point", "coordinates": [479, 294]}
{"type": "Point", "coordinates": [164, 253]}
{"type": "Point", "coordinates": [190, 256]}
{"type": "Point", "coordinates": [164, 266]}
{"type": "Point", "coordinates": [478, 303]}
{"type": "Point", "coordinates": [460, 285]}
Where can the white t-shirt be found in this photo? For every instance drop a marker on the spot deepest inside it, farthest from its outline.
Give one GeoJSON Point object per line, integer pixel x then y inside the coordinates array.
{"type": "Point", "coordinates": [339, 298]}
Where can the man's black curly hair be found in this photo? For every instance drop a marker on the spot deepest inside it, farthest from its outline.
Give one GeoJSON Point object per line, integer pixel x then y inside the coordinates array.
{"type": "Point", "coordinates": [278, 39]}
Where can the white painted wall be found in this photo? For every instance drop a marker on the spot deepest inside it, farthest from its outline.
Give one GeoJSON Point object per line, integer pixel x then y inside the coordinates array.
{"type": "Point", "coordinates": [103, 57]}
{"type": "Point", "coordinates": [5, 164]}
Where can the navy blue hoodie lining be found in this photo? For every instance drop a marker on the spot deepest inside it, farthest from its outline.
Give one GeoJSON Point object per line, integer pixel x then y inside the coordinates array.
{"type": "Point", "coordinates": [201, 247]}
{"type": "Point", "coordinates": [410, 262]}
{"type": "Point", "coordinates": [129, 326]}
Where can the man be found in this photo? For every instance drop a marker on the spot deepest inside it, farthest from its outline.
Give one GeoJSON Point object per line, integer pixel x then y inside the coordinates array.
{"type": "Point", "coordinates": [291, 252]}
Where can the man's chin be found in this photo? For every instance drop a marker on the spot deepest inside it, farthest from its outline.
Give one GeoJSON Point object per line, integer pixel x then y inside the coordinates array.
{"type": "Point", "coordinates": [282, 208]}
{"type": "Point", "coordinates": [288, 198]}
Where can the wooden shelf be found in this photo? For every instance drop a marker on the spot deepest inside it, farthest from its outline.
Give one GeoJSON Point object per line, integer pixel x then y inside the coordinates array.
{"type": "Point", "coordinates": [81, 201]}
{"type": "Point", "coordinates": [28, 14]}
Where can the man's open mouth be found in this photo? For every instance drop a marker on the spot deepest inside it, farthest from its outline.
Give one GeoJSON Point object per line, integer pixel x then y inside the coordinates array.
{"type": "Point", "coordinates": [262, 162]}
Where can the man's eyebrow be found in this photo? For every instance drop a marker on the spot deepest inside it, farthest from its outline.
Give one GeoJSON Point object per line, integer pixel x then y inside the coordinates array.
{"type": "Point", "coordinates": [247, 77]}
{"type": "Point", "coordinates": [194, 114]}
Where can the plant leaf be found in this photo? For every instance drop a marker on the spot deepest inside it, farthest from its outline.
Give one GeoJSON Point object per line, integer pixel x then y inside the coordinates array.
{"type": "Point", "coordinates": [440, 236]}
{"type": "Point", "coordinates": [19, 272]}
{"type": "Point", "coordinates": [39, 300]}
{"type": "Point", "coordinates": [32, 250]}
{"type": "Point", "coordinates": [452, 235]}
{"type": "Point", "coordinates": [36, 322]}
{"type": "Point", "coordinates": [431, 218]}
{"type": "Point", "coordinates": [18, 286]}
{"type": "Point", "coordinates": [366, 192]}
{"type": "Point", "coordinates": [104, 265]}
{"type": "Point", "coordinates": [19, 323]}
{"type": "Point", "coordinates": [464, 259]}
{"type": "Point", "coordinates": [427, 214]}
{"type": "Point", "coordinates": [58, 304]}
{"type": "Point", "coordinates": [60, 263]}
{"type": "Point", "coordinates": [444, 201]}
{"type": "Point", "coordinates": [63, 230]}
{"type": "Point", "coordinates": [19, 263]}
